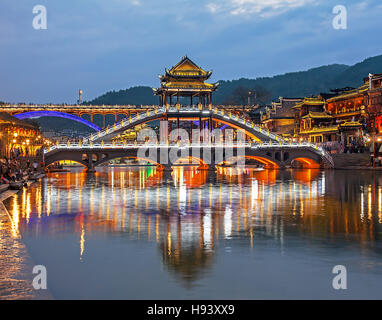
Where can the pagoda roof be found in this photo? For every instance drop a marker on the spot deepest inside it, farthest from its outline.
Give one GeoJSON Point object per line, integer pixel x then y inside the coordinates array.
{"type": "Point", "coordinates": [341, 90]}
{"type": "Point", "coordinates": [185, 69]}
{"type": "Point", "coordinates": [350, 93]}
{"type": "Point", "coordinates": [351, 124]}
{"type": "Point", "coordinates": [326, 95]}
{"type": "Point", "coordinates": [373, 76]}
{"type": "Point", "coordinates": [186, 77]}
{"type": "Point", "coordinates": [317, 115]}
{"type": "Point", "coordinates": [318, 130]}
{"type": "Point", "coordinates": [314, 101]}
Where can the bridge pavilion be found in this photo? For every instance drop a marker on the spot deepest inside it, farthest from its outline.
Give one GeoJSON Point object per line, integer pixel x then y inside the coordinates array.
{"type": "Point", "coordinates": [185, 79]}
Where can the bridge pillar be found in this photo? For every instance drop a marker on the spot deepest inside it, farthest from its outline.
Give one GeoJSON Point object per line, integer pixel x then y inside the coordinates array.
{"type": "Point", "coordinates": [208, 167]}
{"type": "Point", "coordinates": [282, 165]}
{"type": "Point", "coordinates": [212, 168]}
{"type": "Point", "coordinates": [165, 168]}
{"type": "Point", "coordinates": [211, 176]}
{"type": "Point", "coordinates": [91, 167]}
{"type": "Point", "coordinates": [167, 177]}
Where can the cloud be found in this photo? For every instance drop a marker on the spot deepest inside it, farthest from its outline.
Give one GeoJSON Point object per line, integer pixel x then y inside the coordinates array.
{"type": "Point", "coordinates": [212, 7]}
{"type": "Point", "coordinates": [265, 8]}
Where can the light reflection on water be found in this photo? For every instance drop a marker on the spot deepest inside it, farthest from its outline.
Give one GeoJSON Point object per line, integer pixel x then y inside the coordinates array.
{"type": "Point", "coordinates": [143, 233]}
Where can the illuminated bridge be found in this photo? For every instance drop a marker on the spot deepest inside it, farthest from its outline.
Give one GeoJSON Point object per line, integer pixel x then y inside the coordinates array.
{"type": "Point", "coordinates": [259, 144]}
{"type": "Point", "coordinates": [207, 156]}
{"type": "Point", "coordinates": [88, 115]}
{"type": "Point", "coordinates": [206, 118]}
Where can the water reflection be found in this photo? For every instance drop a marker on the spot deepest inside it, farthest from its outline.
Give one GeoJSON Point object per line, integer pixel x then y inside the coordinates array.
{"type": "Point", "coordinates": [191, 214]}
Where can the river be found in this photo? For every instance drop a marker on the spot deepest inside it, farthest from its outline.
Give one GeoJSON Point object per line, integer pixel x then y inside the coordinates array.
{"type": "Point", "coordinates": [139, 233]}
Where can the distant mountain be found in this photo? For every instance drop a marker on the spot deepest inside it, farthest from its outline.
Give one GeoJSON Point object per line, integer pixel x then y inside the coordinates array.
{"type": "Point", "coordinates": [353, 75]}
{"type": "Point", "coordinates": [293, 84]}
{"type": "Point", "coordinates": [134, 96]}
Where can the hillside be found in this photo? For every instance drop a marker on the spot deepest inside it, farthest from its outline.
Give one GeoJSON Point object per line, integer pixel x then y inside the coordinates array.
{"type": "Point", "coordinates": [134, 96]}
{"type": "Point", "coordinates": [294, 84]}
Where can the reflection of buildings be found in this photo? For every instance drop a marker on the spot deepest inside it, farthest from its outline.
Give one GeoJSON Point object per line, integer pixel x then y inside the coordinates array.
{"type": "Point", "coordinates": [188, 248]}
{"type": "Point", "coordinates": [192, 221]}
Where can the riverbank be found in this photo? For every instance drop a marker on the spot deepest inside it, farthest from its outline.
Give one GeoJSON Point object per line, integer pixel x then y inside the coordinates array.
{"type": "Point", "coordinates": [353, 161]}
{"type": "Point", "coordinates": [16, 264]}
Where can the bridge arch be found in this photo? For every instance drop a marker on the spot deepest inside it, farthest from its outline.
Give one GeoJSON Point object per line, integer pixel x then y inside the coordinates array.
{"type": "Point", "coordinates": [305, 162]}
{"type": "Point", "coordinates": [120, 156]}
{"type": "Point", "coordinates": [199, 162]}
{"type": "Point", "coordinates": [47, 113]}
{"type": "Point", "coordinates": [267, 161]}
{"type": "Point", "coordinates": [76, 160]}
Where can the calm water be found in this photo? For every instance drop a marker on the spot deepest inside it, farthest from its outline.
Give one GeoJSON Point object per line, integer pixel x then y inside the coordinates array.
{"type": "Point", "coordinates": [139, 234]}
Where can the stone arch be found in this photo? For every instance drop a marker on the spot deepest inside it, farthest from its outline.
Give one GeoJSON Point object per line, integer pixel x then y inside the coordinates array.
{"type": "Point", "coordinates": [200, 162]}
{"type": "Point", "coordinates": [305, 162]}
{"type": "Point", "coordinates": [117, 156]}
{"type": "Point", "coordinates": [268, 162]}
{"type": "Point", "coordinates": [49, 163]}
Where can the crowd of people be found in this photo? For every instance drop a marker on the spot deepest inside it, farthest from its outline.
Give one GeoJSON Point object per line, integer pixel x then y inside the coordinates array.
{"type": "Point", "coordinates": [14, 170]}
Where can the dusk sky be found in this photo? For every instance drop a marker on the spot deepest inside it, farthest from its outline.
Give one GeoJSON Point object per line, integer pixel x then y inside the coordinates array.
{"type": "Point", "coordinates": [102, 45]}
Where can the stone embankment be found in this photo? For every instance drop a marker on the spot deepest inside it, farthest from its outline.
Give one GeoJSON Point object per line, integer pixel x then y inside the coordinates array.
{"type": "Point", "coordinates": [353, 161]}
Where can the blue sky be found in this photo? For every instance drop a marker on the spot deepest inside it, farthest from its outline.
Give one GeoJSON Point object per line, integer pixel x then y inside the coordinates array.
{"type": "Point", "coordinates": [101, 45]}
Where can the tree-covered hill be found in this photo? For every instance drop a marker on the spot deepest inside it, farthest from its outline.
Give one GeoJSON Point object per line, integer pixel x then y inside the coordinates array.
{"type": "Point", "coordinates": [134, 96]}
{"type": "Point", "coordinates": [293, 84]}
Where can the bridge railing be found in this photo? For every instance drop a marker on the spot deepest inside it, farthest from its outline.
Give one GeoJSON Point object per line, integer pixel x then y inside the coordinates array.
{"type": "Point", "coordinates": [74, 146]}
{"type": "Point", "coordinates": [265, 145]}
{"type": "Point", "coordinates": [248, 124]}
{"type": "Point", "coordinates": [120, 124]}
